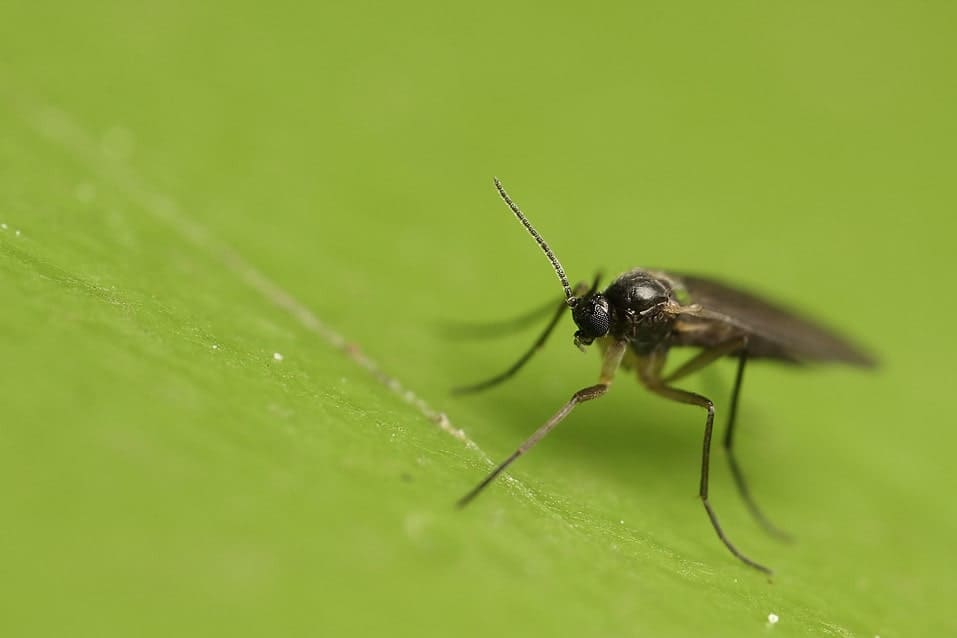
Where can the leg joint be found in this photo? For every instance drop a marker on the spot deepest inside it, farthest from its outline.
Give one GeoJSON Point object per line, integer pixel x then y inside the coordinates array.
{"type": "Point", "coordinates": [589, 393]}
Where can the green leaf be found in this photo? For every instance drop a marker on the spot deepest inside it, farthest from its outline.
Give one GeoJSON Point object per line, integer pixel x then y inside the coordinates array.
{"type": "Point", "coordinates": [231, 237]}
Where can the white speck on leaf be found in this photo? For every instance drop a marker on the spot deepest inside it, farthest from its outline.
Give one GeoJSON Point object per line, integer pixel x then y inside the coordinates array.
{"type": "Point", "coordinates": [773, 618]}
{"type": "Point", "coordinates": [215, 346]}
{"type": "Point", "coordinates": [18, 233]}
{"type": "Point", "coordinates": [3, 226]}
{"type": "Point", "coordinates": [277, 356]}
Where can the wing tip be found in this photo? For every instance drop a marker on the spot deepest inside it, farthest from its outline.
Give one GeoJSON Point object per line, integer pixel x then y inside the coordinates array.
{"type": "Point", "coordinates": [856, 357]}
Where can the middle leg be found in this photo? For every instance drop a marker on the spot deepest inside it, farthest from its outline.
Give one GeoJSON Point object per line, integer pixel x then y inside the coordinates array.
{"type": "Point", "coordinates": [649, 374]}
{"type": "Point", "coordinates": [699, 361]}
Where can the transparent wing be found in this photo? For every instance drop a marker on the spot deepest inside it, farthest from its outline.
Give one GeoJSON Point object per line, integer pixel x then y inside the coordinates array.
{"type": "Point", "coordinates": [775, 330]}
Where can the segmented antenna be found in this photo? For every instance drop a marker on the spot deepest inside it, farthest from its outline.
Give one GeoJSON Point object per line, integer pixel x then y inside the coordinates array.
{"type": "Point", "coordinates": [570, 298]}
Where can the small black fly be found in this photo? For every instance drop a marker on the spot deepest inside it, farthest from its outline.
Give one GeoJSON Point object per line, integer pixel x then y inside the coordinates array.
{"type": "Point", "coordinates": [643, 314]}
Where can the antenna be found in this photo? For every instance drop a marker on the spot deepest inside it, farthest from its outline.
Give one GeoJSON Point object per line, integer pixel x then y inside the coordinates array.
{"type": "Point", "coordinates": [570, 298]}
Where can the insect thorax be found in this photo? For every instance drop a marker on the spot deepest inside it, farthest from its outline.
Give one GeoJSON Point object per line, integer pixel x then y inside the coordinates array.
{"type": "Point", "coordinates": [637, 303]}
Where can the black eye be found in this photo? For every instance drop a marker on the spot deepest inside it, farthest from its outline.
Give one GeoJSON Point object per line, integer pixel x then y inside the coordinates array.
{"type": "Point", "coordinates": [591, 316]}
{"type": "Point", "coordinates": [597, 323]}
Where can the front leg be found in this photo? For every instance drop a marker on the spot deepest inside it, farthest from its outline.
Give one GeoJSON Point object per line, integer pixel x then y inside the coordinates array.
{"type": "Point", "coordinates": [612, 360]}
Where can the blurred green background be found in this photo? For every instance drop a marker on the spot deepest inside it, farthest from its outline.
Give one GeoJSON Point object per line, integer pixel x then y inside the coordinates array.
{"type": "Point", "coordinates": [182, 185]}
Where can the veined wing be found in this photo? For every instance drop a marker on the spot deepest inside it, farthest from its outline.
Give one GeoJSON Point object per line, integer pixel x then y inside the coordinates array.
{"type": "Point", "coordinates": [777, 331]}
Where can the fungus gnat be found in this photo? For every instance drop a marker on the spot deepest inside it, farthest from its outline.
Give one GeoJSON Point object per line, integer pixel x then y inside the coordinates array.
{"type": "Point", "coordinates": [640, 316]}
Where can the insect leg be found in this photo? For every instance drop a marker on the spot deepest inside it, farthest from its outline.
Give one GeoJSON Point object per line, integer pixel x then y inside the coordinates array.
{"type": "Point", "coordinates": [742, 485]}
{"type": "Point", "coordinates": [515, 367]}
{"type": "Point", "coordinates": [649, 375]}
{"type": "Point", "coordinates": [700, 361]}
{"type": "Point", "coordinates": [493, 329]}
{"type": "Point", "coordinates": [705, 358]}
{"type": "Point", "coordinates": [611, 362]}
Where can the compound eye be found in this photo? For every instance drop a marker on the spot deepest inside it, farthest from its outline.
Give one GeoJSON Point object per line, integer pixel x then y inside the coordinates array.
{"type": "Point", "coordinates": [597, 323]}
{"type": "Point", "coordinates": [592, 317]}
